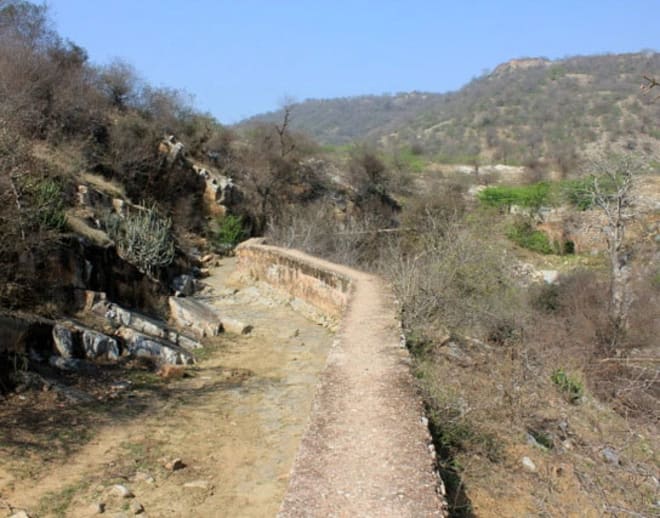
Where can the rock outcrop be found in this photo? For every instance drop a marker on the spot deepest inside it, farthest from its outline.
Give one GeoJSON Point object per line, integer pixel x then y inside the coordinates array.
{"type": "Point", "coordinates": [221, 192]}
{"type": "Point", "coordinates": [191, 314]}
{"type": "Point", "coordinates": [118, 316]}
{"type": "Point", "coordinates": [144, 346]}
{"type": "Point", "coordinates": [73, 340]}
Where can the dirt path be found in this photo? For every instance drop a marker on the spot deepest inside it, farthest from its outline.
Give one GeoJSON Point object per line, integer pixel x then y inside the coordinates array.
{"type": "Point", "coordinates": [366, 450]}
{"type": "Point", "coordinates": [236, 422]}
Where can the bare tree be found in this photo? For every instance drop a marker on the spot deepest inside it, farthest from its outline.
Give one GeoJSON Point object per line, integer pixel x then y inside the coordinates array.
{"type": "Point", "coordinates": [120, 82]}
{"type": "Point", "coordinates": [650, 82]}
{"type": "Point", "coordinates": [287, 144]}
{"type": "Point", "coordinates": [611, 190]}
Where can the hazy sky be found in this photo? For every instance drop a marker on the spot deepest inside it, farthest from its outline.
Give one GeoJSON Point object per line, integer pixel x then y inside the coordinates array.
{"type": "Point", "coordinates": [242, 57]}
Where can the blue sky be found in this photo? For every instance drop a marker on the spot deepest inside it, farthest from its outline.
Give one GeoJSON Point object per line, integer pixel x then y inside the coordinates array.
{"type": "Point", "coordinates": [238, 58]}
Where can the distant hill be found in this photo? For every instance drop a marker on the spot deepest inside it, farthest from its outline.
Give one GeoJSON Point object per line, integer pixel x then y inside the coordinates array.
{"type": "Point", "coordinates": [524, 110]}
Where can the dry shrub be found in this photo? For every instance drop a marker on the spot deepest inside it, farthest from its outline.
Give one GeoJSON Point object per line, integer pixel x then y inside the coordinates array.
{"type": "Point", "coordinates": [572, 326]}
{"type": "Point", "coordinates": [48, 87]}
{"type": "Point", "coordinates": [275, 176]}
{"type": "Point", "coordinates": [632, 387]}
{"type": "Point", "coordinates": [455, 274]}
{"type": "Point", "coordinates": [32, 199]}
{"type": "Point", "coordinates": [372, 183]}
{"type": "Point", "coordinates": [319, 229]}
{"type": "Point", "coordinates": [630, 378]}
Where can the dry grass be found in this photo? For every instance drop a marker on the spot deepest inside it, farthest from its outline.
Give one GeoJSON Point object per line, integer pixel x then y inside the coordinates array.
{"type": "Point", "coordinates": [80, 227]}
{"type": "Point", "coordinates": [490, 400]}
{"type": "Point", "coordinates": [489, 387]}
{"type": "Point", "coordinates": [105, 186]}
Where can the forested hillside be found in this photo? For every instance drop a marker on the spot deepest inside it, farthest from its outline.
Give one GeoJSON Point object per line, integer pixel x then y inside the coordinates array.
{"type": "Point", "coordinates": [524, 110]}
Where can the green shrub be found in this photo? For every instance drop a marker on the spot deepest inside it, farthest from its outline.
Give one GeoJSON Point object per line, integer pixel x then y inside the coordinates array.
{"type": "Point", "coordinates": [572, 387]}
{"type": "Point", "coordinates": [542, 437]}
{"type": "Point", "coordinates": [49, 205]}
{"type": "Point", "coordinates": [577, 193]}
{"type": "Point", "coordinates": [229, 231]}
{"type": "Point", "coordinates": [44, 204]}
{"type": "Point", "coordinates": [410, 159]}
{"type": "Point", "coordinates": [532, 196]}
{"type": "Point", "coordinates": [143, 238]}
{"type": "Point", "coordinates": [525, 235]}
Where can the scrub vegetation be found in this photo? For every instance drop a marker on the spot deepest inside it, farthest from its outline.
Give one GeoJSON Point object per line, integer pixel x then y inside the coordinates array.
{"type": "Point", "coordinates": [528, 302]}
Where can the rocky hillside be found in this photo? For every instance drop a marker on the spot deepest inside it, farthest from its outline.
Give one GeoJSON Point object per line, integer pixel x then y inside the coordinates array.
{"type": "Point", "coordinates": [107, 181]}
{"type": "Point", "coordinates": [525, 109]}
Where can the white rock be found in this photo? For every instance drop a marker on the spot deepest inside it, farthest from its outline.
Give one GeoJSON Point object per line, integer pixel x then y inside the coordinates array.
{"type": "Point", "coordinates": [610, 455]}
{"type": "Point", "coordinates": [528, 465]}
{"type": "Point", "coordinates": [63, 339]}
{"type": "Point", "coordinates": [198, 484]}
{"type": "Point", "coordinates": [99, 345]}
{"type": "Point", "coordinates": [196, 316]}
{"type": "Point", "coordinates": [121, 491]}
{"type": "Point", "coordinates": [232, 325]}
{"type": "Point", "coordinates": [140, 345]}
{"type": "Point", "coordinates": [549, 276]}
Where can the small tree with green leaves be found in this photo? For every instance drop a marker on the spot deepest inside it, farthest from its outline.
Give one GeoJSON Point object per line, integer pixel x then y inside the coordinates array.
{"type": "Point", "coordinates": [229, 232]}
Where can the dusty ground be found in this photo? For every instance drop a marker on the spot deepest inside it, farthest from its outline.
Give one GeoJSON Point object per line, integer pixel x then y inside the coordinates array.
{"type": "Point", "coordinates": [235, 420]}
{"type": "Point", "coordinates": [511, 412]}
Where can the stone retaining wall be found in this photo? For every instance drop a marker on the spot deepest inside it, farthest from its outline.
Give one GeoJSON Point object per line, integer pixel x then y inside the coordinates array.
{"type": "Point", "coordinates": [323, 286]}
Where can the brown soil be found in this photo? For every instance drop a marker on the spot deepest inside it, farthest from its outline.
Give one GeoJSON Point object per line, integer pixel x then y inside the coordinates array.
{"type": "Point", "coordinates": [235, 420]}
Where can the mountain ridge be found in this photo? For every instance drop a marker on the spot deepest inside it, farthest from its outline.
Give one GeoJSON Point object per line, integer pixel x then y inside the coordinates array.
{"type": "Point", "coordinates": [525, 109]}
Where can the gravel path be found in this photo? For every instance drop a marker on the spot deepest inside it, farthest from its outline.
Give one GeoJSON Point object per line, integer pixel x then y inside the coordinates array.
{"type": "Point", "coordinates": [366, 450]}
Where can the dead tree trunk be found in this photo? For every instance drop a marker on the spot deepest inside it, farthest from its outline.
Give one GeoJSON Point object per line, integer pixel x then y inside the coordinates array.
{"type": "Point", "coordinates": [611, 192]}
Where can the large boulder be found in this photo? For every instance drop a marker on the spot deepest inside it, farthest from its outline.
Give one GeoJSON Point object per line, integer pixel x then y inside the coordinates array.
{"type": "Point", "coordinates": [172, 149]}
{"type": "Point", "coordinates": [73, 340]}
{"type": "Point", "coordinates": [64, 341]}
{"type": "Point", "coordinates": [183, 341]}
{"type": "Point", "coordinates": [140, 345]}
{"type": "Point", "coordinates": [184, 285]}
{"type": "Point", "coordinates": [195, 316]}
{"type": "Point", "coordinates": [97, 345]}
{"type": "Point", "coordinates": [221, 191]}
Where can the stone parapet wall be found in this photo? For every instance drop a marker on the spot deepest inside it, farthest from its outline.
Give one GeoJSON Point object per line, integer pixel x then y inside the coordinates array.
{"type": "Point", "coordinates": [321, 284]}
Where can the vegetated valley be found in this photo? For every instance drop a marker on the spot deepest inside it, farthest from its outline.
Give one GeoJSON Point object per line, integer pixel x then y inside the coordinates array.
{"type": "Point", "coordinates": [518, 220]}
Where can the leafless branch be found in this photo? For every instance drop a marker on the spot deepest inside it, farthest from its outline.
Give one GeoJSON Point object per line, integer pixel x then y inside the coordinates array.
{"type": "Point", "coordinates": [17, 199]}
{"type": "Point", "coordinates": [651, 82]}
